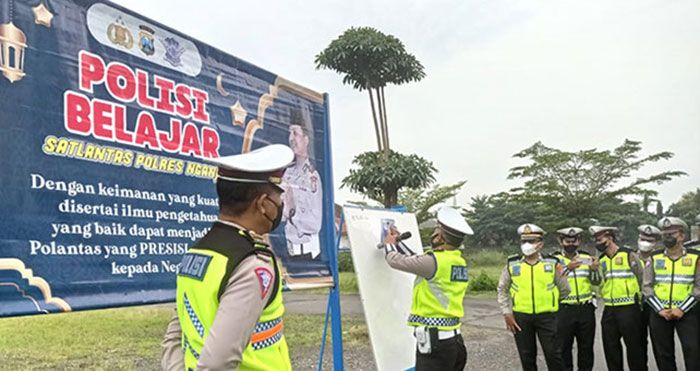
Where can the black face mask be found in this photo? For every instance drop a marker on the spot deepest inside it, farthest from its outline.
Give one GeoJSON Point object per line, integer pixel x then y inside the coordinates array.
{"type": "Point", "coordinates": [278, 219]}
{"type": "Point", "coordinates": [601, 246]}
{"type": "Point", "coordinates": [570, 248]}
{"type": "Point", "coordinates": [670, 241]}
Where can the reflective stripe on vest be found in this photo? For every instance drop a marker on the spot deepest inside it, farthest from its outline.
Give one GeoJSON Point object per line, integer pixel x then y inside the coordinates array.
{"type": "Point", "coordinates": [674, 280]}
{"type": "Point", "coordinates": [579, 281]}
{"type": "Point", "coordinates": [439, 301]}
{"type": "Point", "coordinates": [533, 289]}
{"type": "Point", "coordinates": [620, 285]}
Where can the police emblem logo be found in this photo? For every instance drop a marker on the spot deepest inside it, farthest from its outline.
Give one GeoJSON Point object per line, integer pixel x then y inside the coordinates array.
{"type": "Point", "coordinates": [548, 268]}
{"type": "Point", "coordinates": [459, 274]}
{"type": "Point", "coordinates": [173, 51]}
{"type": "Point", "coordinates": [119, 34]}
{"type": "Point", "coordinates": [618, 260]}
{"type": "Point", "coordinates": [572, 232]}
{"type": "Point", "coordinates": [647, 230]}
{"type": "Point", "coordinates": [527, 229]}
{"type": "Point", "coordinates": [265, 279]}
{"type": "Point", "coordinates": [515, 271]}
{"type": "Point", "coordinates": [667, 222]}
{"type": "Point", "coordinates": [146, 40]}
{"type": "Point", "coordinates": [659, 264]}
{"type": "Point", "coordinates": [687, 262]}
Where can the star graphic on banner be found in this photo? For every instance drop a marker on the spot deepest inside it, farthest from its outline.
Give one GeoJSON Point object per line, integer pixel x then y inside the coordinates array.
{"type": "Point", "coordinates": [239, 114]}
{"type": "Point", "coordinates": [42, 15]}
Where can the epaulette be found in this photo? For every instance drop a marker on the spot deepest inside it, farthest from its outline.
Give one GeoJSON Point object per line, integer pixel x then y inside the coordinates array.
{"type": "Point", "coordinates": [693, 251]}
{"type": "Point", "coordinates": [626, 249]}
{"type": "Point", "coordinates": [547, 257]}
{"type": "Point", "coordinates": [657, 252]}
{"type": "Point", "coordinates": [514, 257]}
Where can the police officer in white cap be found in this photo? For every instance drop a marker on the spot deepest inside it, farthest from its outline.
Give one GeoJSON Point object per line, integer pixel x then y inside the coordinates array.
{"type": "Point", "coordinates": [229, 292]}
{"type": "Point", "coordinates": [622, 272]}
{"type": "Point", "coordinates": [528, 293]}
{"type": "Point", "coordinates": [672, 289]}
{"type": "Point", "coordinates": [438, 292]}
{"type": "Point", "coordinates": [576, 318]}
{"type": "Point", "coordinates": [647, 242]}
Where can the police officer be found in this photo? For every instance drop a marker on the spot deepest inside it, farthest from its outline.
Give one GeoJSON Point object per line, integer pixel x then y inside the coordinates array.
{"type": "Point", "coordinates": [229, 292]}
{"type": "Point", "coordinates": [577, 310]}
{"type": "Point", "coordinates": [622, 317]}
{"type": "Point", "coordinates": [672, 289]}
{"type": "Point", "coordinates": [528, 293]}
{"type": "Point", "coordinates": [438, 292]}
{"type": "Point", "coordinates": [303, 207]}
{"type": "Point", "coordinates": [649, 237]}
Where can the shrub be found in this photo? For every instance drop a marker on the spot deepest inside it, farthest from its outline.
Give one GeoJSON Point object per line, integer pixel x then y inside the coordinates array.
{"type": "Point", "coordinates": [483, 282]}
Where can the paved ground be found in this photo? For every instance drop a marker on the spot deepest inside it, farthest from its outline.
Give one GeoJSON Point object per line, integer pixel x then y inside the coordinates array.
{"type": "Point", "coordinates": [489, 345]}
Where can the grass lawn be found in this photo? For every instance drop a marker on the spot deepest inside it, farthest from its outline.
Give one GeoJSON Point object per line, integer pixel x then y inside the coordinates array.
{"type": "Point", "coordinates": [123, 338]}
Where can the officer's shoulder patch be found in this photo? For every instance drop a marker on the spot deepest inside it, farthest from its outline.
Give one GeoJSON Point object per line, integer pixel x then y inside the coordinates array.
{"type": "Point", "coordinates": [265, 279]}
{"type": "Point", "coordinates": [194, 265]}
{"type": "Point", "coordinates": [459, 273]}
{"type": "Point", "coordinates": [687, 262]}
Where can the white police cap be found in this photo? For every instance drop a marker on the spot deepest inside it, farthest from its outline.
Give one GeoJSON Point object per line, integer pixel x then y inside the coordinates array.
{"type": "Point", "coordinates": [597, 229]}
{"type": "Point", "coordinates": [263, 165]}
{"type": "Point", "coordinates": [570, 231]}
{"type": "Point", "coordinates": [453, 222]}
{"type": "Point", "coordinates": [530, 230]}
{"type": "Point", "coordinates": [671, 222]}
{"type": "Point", "coordinates": [649, 230]}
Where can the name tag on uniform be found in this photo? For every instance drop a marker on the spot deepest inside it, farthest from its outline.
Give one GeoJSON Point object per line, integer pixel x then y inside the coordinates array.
{"type": "Point", "coordinates": [548, 268]}
{"type": "Point", "coordinates": [516, 270]}
{"type": "Point", "coordinates": [687, 262]}
{"type": "Point", "coordinates": [659, 264]}
{"type": "Point", "coordinates": [618, 260]}
{"type": "Point", "coordinates": [459, 273]}
{"type": "Point", "coordinates": [194, 265]}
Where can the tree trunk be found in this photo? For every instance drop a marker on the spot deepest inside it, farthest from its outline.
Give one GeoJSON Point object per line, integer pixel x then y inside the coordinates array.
{"type": "Point", "coordinates": [386, 123]}
{"type": "Point", "coordinates": [374, 118]}
{"type": "Point", "coordinates": [385, 144]}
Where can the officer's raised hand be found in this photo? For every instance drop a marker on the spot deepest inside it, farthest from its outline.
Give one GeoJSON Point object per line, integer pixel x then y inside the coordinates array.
{"type": "Point", "coordinates": [511, 324]}
{"type": "Point", "coordinates": [595, 264]}
{"type": "Point", "coordinates": [390, 238]}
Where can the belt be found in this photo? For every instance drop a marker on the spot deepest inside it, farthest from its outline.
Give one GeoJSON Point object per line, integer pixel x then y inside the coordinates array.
{"type": "Point", "coordinates": [449, 334]}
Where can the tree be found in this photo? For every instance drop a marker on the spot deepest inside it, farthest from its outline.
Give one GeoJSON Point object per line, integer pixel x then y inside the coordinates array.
{"type": "Point", "coordinates": [571, 188]}
{"type": "Point", "coordinates": [370, 60]}
{"type": "Point", "coordinates": [381, 179]}
{"type": "Point", "coordinates": [420, 200]}
{"type": "Point", "coordinates": [687, 208]}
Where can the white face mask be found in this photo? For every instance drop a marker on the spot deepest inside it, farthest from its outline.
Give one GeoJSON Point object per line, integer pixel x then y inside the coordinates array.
{"type": "Point", "coordinates": [645, 246]}
{"type": "Point", "coordinates": [528, 248]}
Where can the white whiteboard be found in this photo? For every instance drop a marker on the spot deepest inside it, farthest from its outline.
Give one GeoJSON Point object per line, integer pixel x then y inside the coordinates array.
{"type": "Point", "coordinates": [385, 293]}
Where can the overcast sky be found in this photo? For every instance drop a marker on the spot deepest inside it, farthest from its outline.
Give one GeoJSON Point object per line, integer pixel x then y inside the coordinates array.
{"type": "Point", "coordinates": [500, 76]}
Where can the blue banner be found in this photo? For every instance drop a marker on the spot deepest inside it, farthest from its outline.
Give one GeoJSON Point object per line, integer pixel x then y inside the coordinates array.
{"type": "Point", "coordinates": [107, 119]}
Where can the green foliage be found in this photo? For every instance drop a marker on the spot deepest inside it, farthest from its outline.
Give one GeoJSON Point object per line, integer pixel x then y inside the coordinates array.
{"type": "Point", "coordinates": [345, 262]}
{"type": "Point", "coordinates": [687, 208]}
{"type": "Point", "coordinates": [485, 257]}
{"type": "Point", "coordinates": [420, 200]}
{"type": "Point", "coordinates": [571, 189]}
{"type": "Point", "coordinates": [370, 59]}
{"type": "Point", "coordinates": [482, 282]}
{"type": "Point", "coordinates": [381, 178]}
